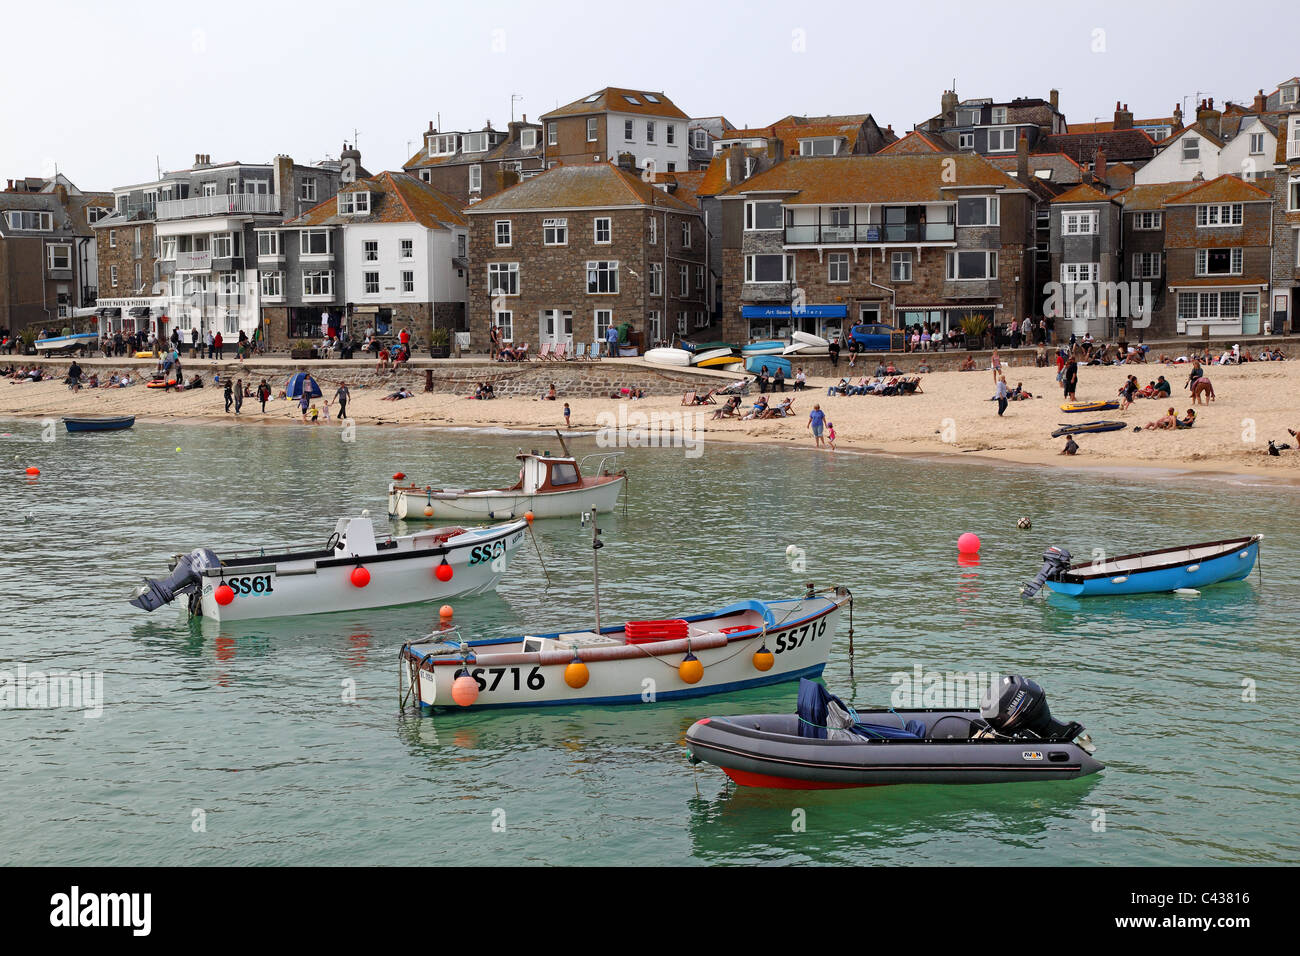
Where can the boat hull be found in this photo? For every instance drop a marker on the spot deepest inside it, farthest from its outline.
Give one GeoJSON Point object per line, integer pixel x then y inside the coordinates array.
{"type": "Point", "coordinates": [766, 751]}
{"type": "Point", "coordinates": [755, 364]}
{"type": "Point", "coordinates": [1233, 564]}
{"type": "Point", "coordinates": [1075, 407]}
{"type": "Point", "coordinates": [98, 424]}
{"type": "Point", "coordinates": [312, 586]}
{"type": "Point", "coordinates": [665, 356]}
{"type": "Point", "coordinates": [497, 506]}
{"type": "Point", "coordinates": [646, 673]}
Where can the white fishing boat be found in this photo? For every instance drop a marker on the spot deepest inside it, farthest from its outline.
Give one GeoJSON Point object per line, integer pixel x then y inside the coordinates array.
{"type": "Point", "coordinates": [667, 356]}
{"type": "Point", "coordinates": [549, 487]}
{"type": "Point", "coordinates": [746, 644]}
{"type": "Point", "coordinates": [355, 569]}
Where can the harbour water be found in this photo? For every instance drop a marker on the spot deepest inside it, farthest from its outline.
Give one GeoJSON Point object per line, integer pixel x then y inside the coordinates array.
{"type": "Point", "coordinates": [281, 742]}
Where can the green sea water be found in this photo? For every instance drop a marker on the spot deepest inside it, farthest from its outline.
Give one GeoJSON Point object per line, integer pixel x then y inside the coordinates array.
{"type": "Point", "coordinates": [281, 742]}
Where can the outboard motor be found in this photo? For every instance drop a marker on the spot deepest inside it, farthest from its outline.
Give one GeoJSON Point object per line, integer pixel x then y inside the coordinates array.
{"type": "Point", "coordinates": [1017, 705]}
{"type": "Point", "coordinates": [185, 577]}
{"type": "Point", "coordinates": [1055, 560]}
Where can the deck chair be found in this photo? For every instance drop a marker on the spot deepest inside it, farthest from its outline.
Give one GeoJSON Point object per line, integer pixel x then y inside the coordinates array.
{"type": "Point", "coordinates": [595, 351]}
{"type": "Point", "coordinates": [690, 398]}
{"type": "Point", "coordinates": [558, 353]}
{"type": "Point", "coordinates": [730, 410]}
{"type": "Point", "coordinates": [544, 353]}
{"type": "Point", "coordinates": [580, 352]}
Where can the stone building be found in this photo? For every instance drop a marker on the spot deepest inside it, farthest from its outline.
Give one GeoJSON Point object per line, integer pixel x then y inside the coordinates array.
{"type": "Point", "coordinates": [613, 121]}
{"type": "Point", "coordinates": [1084, 242]}
{"type": "Point", "coordinates": [560, 258]}
{"type": "Point", "coordinates": [471, 166]}
{"type": "Point", "coordinates": [1285, 308]}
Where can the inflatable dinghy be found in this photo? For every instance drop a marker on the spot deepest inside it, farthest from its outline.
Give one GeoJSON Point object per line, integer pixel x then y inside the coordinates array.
{"type": "Point", "coordinates": [1072, 407]}
{"type": "Point", "coordinates": [1086, 427]}
{"type": "Point", "coordinates": [826, 746]}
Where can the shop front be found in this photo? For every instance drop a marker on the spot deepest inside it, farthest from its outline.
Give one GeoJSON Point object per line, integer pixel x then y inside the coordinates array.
{"type": "Point", "coordinates": [779, 321]}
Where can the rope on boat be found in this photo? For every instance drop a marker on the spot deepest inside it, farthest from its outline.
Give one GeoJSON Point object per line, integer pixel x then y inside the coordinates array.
{"type": "Point", "coordinates": [540, 560]}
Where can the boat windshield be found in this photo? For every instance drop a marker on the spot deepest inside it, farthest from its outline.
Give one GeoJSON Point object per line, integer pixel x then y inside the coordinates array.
{"type": "Point", "coordinates": [564, 474]}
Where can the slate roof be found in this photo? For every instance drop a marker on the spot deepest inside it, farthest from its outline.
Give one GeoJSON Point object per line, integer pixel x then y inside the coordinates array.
{"type": "Point", "coordinates": [615, 99]}
{"type": "Point", "coordinates": [1123, 144]}
{"type": "Point", "coordinates": [1227, 188]}
{"type": "Point", "coordinates": [394, 197]}
{"type": "Point", "coordinates": [1081, 193]}
{"type": "Point", "coordinates": [592, 185]}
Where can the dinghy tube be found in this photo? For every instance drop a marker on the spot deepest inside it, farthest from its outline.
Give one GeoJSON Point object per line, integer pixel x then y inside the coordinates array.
{"type": "Point", "coordinates": [185, 577]}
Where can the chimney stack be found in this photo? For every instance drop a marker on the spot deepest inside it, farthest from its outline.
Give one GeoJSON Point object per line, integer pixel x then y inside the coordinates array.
{"type": "Point", "coordinates": [1123, 118]}
{"type": "Point", "coordinates": [1099, 165]}
{"type": "Point", "coordinates": [1209, 117]}
{"type": "Point", "coordinates": [1054, 97]}
{"type": "Point", "coordinates": [1261, 102]}
{"type": "Point", "coordinates": [1178, 117]}
{"type": "Point", "coordinates": [948, 107]}
{"type": "Point", "coordinates": [1022, 157]}
{"type": "Point", "coordinates": [627, 162]}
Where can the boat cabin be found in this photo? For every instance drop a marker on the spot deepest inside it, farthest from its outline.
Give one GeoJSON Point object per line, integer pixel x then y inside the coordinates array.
{"type": "Point", "coordinates": [542, 473]}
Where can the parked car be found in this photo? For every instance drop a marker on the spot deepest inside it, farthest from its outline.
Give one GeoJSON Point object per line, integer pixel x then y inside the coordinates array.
{"type": "Point", "coordinates": [874, 338]}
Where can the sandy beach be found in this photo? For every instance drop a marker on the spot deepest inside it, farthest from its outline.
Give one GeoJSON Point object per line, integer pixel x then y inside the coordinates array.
{"type": "Point", "coordinates": [952, 416]}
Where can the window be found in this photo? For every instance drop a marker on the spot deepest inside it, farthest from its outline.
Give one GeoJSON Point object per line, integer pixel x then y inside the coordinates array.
{"type": "Point", "coordinates": [475, 178]}
{"type": "Point", "coordinates": [602, 278]}
{"type": "Point", "coordinates": [406, 249]}
{"type": "Point", "coordinates": [208, 189]}
{"type": "Point", "coordinates": [32, 221]}
{"type": "Point", "coordinates": [998, 115]}
{"type": "Point", "coordinates": [443, 145]}
{"type": "Point", "coordinates": [552, 134]}
{"type": "Point", "coordinates": [1191, 149]}
{"type": "Point", "coordinates": [656, 278]}
{"type": "Point", "coordinates": [603, 230]}
{"type": "Point", "coordinates": [763, 215]}
{"type": "Point", "coordinates": [655, 326]}
{"type": "Point", "coordinates": [604, 319]}
{"type": "Point", "coordinates": [370, 283]}
{"type": "Point", "coordinates": [272, 285]}
{"type": "Point", "coordinates": [1146, 265]}
{"type": "Point", "coordinates": [1287, 94]}
{"type": "Point", "coordinates": [1080, 272]}
{"type": "Point", "coordinates": [426, 176]}
{"type": "Point", "coordinates": [96, 213]}
{"type": "Point", "coordinates": [699, 278]}
{"type": "Point", "coordinates": [686, 233]}
{"type": "Point", "coordinates": [503, 278]}
{"type": "Point", "coordinates": [821, 146]}
{"type": "Point", "coordinates": [670, 134]}
{"type": "Point", "coordinates": [977, 211]}
{"type": "Point", "coordinates": [900, 267]}
{"type": "Point", "coordinates": [683, 320]}
{"type": "Point", "coordinates": [503, 232]}
{"type": "Point", "coordinates": [408, 283]}
{"type": "Point", "coordinates": [555, 232]}
{"type": "Point", "coordinates": [139, 276]}
{"type": "Point", "coordinates": [650, 131]}
{"type": "Point", "coordinates": [462, 245]}
{"type": "Point", "coordinates": [968, 117]}
{"type": "Point", "coordinates": [699, 139]}
{"type": "Point", "coordinates": [370, 250]}
{"type": "Point", "coordinates": [1002, 140]}
{"type": "Point", "coordinates": [307, 190]}
{"type": "Point", "coordinates": [315, 242]}
{"type": "Point", "coordinates": [1078, 223]}
{"type": "Point", "coordinates": [966, 266]}
{"type": "Point", "coordinates": [683, 281]}
{"type": "Point", "coordinates": [672, 167]}
{"type": "Point", "coordinates": [528, 139]}
{"type": "Point", "coordinates": [474, 143]}
{"type": "Point", "coordinates": [1209, 305]}
{"type": "Point", "coordinates": [837, 267]}
{"type": "Point", "coordinates": [591, 129]}
{"type": "Point", "coordinates": [60, 256]}
{"type": "Point", "coordinates": [112, 238]}
{"type": "Point", "coordinates": [769, 268]}
{"type": "Point", "coordinates": [505, 321]}
{"type": "Point", "coordinates": [223, 245]}
{"type": "Point", "coordinates": [654, 231]}
{"type": "Point", "coordinates": [1148, 220]}
{"type": "Point", "coordinates": [1256, 143]}
{"type": "Point", "coordinates": [965, 140]}
{"type": "Point", "coordinates": [1219, 215]}
{"type": "Point", "coordinates": [627, 130]}
{"type": "Point", "coordinates": [268, 246]}
{"type": "Point", "coordinates": [1219, 262]}
{"type": "Point", "coordinates": [167, 248]}
{"type": "Point", "coordinates": [318, 284]}
{"type": "Point", "coordinates": [112, 276]}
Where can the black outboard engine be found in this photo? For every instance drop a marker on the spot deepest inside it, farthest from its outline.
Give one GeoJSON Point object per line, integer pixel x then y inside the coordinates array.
{"type": "Point", "coordinates": [1055, 560]}
{"type": "Point", "coordinates": [1017, 706]}
{"type": "Point", "coordinates": [186, 576]}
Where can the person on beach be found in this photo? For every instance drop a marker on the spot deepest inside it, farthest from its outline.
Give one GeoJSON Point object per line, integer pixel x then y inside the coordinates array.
{"type": "Point", "coordinates": [1202, 389]}
{"type": "Point", "coordinates": [853, 351]}
{"type": "Point", "coordinates": [550, 393]}
{"type": "Point", "coordinates": [834, 350]}
{"type": "Point", "coordinates": [830, 434]}
{"type": "Point", "coordinates": [997, 366]}
{"type": "Point", "coordinates": [778, 381]}
{"type": "Point", "coordinates": [566, 414]}
{"type": "Point", "coordinates": [1187, 421]}
{"type": "Point", "coordinates": [1168, 420]}
{"type": "Point", "coordinates": [325, 409]}
{"type": "Point", "coordinates": [341, 396]}
{"type": "Point", "coordinates": [1163, 389]}
{"type": "Point", "coordinates": [762, 381]}
{"type": "Point", "coordinates": [1129, 392]}
{"type": "Point", "coordinates": [229, 396]}
{"type": "Point", "coordinates": [1070, 379]}
{"type": "Point", "coordinates": [263, 393]}
{"type": "Point", "coordinates": [816, 422]}
{"type": "Point", "coordinates": [239, 395]}
{"type": "Point", "coordinates": [801, 380]}
{"type": "Point", "coordinates": [1071, 446]}
{"type": "Point", "coordinates": [494, 344]}
{"type": "Point", "coordinates": [1002, 395]}
{"type": "Point", "coordinates": [304, 403]}
{"type": "Point", "coordinates": [218, 346]}
{"type": "Point", "coordinates": [315, 413]}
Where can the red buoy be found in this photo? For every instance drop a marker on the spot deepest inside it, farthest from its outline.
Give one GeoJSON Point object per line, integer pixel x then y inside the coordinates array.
{"type": "Point", "coordinates": [224, 594]}
{"type": "Point", "coordinates": [360, 576]}
{"type": "Point", "coordinates": [33, 470]}
{"type": "Point", "coordinates": [399, 476]}
{"type": "Point", "coordinates": [443, 571]}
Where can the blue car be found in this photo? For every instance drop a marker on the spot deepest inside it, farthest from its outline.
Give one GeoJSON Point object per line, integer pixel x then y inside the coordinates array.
{"type": "Point", "coordinates": [874, 338]}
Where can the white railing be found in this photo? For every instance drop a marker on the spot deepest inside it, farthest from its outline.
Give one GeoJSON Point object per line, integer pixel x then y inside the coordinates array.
{"type": "Point", "coordinates": [220, 205]}
{"type": "Point", "coordinates": [1293, 147]}
{"type": "Point", "coordinates": [193, 261]}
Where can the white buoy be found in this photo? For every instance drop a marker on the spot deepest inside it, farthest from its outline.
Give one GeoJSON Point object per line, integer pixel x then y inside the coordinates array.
{"type": "Point", "coordinates": [1192, 591]}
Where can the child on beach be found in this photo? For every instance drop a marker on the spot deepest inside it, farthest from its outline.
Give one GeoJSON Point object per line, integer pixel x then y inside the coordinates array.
{"type": "Point", "coordinates": [566, 414]}
{"type": "Point", "coordinates": [325, 409]}
{"type": "Point", "coordinates": [830, 434]}
{"type": "Point", "coordinates": [315, 413]}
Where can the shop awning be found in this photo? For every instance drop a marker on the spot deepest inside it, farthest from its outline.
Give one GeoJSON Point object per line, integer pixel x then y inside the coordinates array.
{"type": "Point", "coordinates": [785, 312]}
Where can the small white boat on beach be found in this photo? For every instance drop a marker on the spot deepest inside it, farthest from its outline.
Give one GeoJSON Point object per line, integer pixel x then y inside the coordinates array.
{"type": "Point", "coordinates": [666, 356]}
{"type": "Point", "coordinates": [548, 487]}
{"type": "Point", "coordinates": [746, 644]}
{"type": "Point", "coordinates": [355, 569]}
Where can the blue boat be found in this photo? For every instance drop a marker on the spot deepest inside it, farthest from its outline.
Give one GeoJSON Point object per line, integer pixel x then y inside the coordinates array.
{"type": "Point", "coordinates": [755, 363]}
{"type": "Point", "coordinates": [82, 342]}
{"type": "Point", "coordinates": [1148, 572]}
{"type": "Point", "coordinates": [763, 348]}
{"type": "Point", "coordinates": [108, 423]}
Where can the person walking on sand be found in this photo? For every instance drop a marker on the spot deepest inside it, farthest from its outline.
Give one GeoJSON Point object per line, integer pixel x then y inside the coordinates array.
{"type": "Point", "coordinates": [566, 414]}
{"type": "Point", "coordinates": [229, 396]}
{"type": "Point", "coordinates": [830, 434]}
{"type": "Point", "coordinates": [239, 395]}
{"type": "Point", "coordinates": [263, 393]}
{"type": "Point", "coordinates": [816, 422]}
{"type": "Point", "coordinates": [1070, 380]}
{"type": "Point", "coordinates": [341, 396]}
{"type": "Point", "coordinates": [997, 366]}
{"type": "Point", "coordinates": [1002, 394]}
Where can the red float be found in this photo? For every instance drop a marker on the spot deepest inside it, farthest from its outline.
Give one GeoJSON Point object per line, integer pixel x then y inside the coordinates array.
{"type": "Point", "coordinates": [443, 571]}
{"type": "Point", "coordinates": [360, 576]}
{"type": "Point", "coordinates": [224, 594]}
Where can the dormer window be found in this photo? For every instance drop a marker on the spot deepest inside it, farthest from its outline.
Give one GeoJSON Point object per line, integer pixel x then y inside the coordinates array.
{"type": "Point", "coordinates": [443, 144]}
{"type": "Point", "coordinates": [822, 146]}
{"type": "Point", "coordinates": [1289, 94]}
{"type": "Point", "coordinates": [475, 143]}
{"type": "Point", "coordinates": [999, 115]}
{"type": "Point", "coordinates": [354, 203]}
{"type": "Point", "coordinates": [968, 117]}
{"type": "Point", "coordinates": [528, 139]}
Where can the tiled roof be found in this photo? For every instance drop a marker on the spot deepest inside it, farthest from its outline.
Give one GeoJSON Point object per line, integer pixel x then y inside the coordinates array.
{"type": "Point", "coordinates": [1109, 127]}
{"type": "Point", "coordinates": [394, 197]}
{"type": "Point", "coordinates": [1148, 197]}
{"type": "Point", "coordinates": [1197, 128]}
{"type": "Point", "coordinates": [715, 177]}
{"type": "Point", "coordinates": [1082, 193]}
{"type": "Point", "coordinates": [915, 142]}
{"type": "Point", "coordinates": [1063, 168]}
{"type": "Point", "coordinates": [919, 177]}
{"type": "Point", "coordinates": [615, 99]}
{"type": "Point", "coordinates": [580, 186]}
{"type": "Point", "coordinates": [1119, 145]}
{"type": "Point", "coordinates": [1227, 188]}
{"type": "Point", "coordinates": [688, 183]}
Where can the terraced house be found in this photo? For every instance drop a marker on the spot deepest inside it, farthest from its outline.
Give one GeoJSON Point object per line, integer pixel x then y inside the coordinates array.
{"type": "Point", "coordinates": [389, 251]}
{"type": "Point", "coordinates": [1085, 242]}
{"type": "Point", "coordinates": [476, 165]}
{"type": "Point", "coordinates": [608, 123]}
{"type": "Point", "coordinates": [1286, 222]}
{"type": "Point", "coordinates": [819, 244]}
{"type": "Point", "coordinates": [562, 257]}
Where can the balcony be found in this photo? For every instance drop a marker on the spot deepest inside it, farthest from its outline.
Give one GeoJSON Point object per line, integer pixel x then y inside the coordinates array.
{"type": "Point", "coordinates": [225, 204]}
{"type": "Point", "coordinates": [1293, 148]}
{"type": "Point", "coordinates": [870, 233]}
{"type": "Point", "coordinates": [194, 261]}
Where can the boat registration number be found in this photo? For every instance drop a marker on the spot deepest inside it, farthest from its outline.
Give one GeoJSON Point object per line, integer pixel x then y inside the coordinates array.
{"type": "Point", "coordinates": [256, 584]}
{"type": "Point", "coordinates": [796, 637]}
{"type": "Point", "coordinates": [534, 680]}
{"type": "Point", "coordinates": [486, 552]}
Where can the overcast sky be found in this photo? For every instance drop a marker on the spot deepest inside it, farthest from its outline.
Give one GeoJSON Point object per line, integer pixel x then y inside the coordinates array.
{"type": "Point", "coordinates": [109, 90]}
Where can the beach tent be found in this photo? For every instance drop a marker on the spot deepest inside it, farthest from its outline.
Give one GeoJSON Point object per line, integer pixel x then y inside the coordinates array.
{"type": "Point", "coordinates": [301, 384]}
